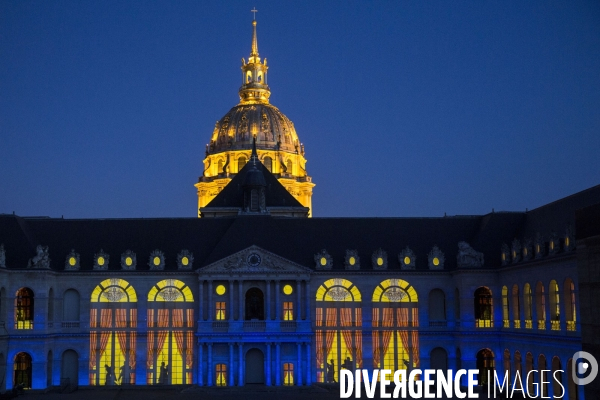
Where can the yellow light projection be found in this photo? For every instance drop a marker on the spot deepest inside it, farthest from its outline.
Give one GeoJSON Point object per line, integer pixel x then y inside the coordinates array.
{"type": "Point", "coordinates": [113, 333]}
{"type": "Point", "coordinates": [287, 289]}
{"type": "Point", "coordinates": [395, 325]}
{"type": "Point", "coordinates": [220, 290]}
{"type": "Point", "coordinates": [338, 290]}
{"type": "Point", "coordinates": [185, 261]}
{"type": "Point", "coordinates": [338, 319]}
{"type": "Point", "coordinates": [170, 333]}
{"type": "Point", "coordinates": [72, 261]}
{"type": "Point", "coordinates": [100, 260]}
{"type": "Point", "coordinates": [128, 261]}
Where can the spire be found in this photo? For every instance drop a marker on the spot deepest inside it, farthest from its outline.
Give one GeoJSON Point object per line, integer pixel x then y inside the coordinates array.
{"type": "Point", "coordinates": [254, 52]}
{"type": "Point", "coordinates": [254, 156]}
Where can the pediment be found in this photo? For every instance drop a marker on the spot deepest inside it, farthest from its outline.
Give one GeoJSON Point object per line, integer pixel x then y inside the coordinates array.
{"type": "Point", "coordinates": [254, 260]}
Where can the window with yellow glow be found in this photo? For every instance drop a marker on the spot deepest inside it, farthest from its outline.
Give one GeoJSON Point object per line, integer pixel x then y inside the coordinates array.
{"type": "Point", "coordinates": [221, 374]}
{"type": "Point", "coordinates": [72, 261]}
{"type": "Point", "coordinates": [185, 261]}
{"type": "Point", "coordinates": [128, 261]}
{"type": "Point", "coordinates": [170, 338]}
{"type": "Point", "coordinates": [113, 324]}
{"type": "Point", "coordinates": [323, 261]}
{"type": "Point", "coordinates": [156, 260]}
{"type": "Point", "coordinates": [395, 325]}
{"type": "Point", "coordinates": [505, 316]}
{"type": "Point", "coordinates": [338, 318]}
{"type": "Point", "coordinates": [352, 260]}
{"type": "Point", "coordinates": [24, 309]}
{"type": "Point", "coordinates": [379, 261]}
{"type": "Point", "coordinates": [288, 374]}
{"type": "Point", "coordinates": [407, 260]}
{"type": "Point", "coordinates": [288, 311]}
{"type": "Point", "coordinates": [436, 261]}
{"type": "Point", "coordinates": [101, 261]}
{"type": "Point", "coordinates": [220, 310]}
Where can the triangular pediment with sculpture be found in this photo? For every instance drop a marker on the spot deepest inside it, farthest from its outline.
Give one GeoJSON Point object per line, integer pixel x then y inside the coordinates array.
{"type": "Point", "coordinates": [255, 260]}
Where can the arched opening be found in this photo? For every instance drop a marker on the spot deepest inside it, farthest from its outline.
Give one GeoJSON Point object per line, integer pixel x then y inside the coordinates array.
{"type": "Point", "coordinates": [516, 307]}
{"type": "Point", "coordinates": [50, 307]}
{"type": "Point", "coordinates": [241, 161]}
{"type": "Point", "coordinates": [553, 293]}
{"type": "Point", "coordinates": [529, 374]}
{"type": "Point", "coordinates": [572, 386]}
{"type": "Point", "coordinates": [69, 369]}
{"type": "Point", "coordinates": [268, 162]}
{"type": "Point", "coordinates": [484, 315]}
{"type": "Point", "coordinates": [49, 369]}
{"type": "Point", "coordinates": [544, 378]}
{"type": "Point", "coordinates": [518, 370]}
{"type": "Point", "coordinates": [439, 359]}
{"type": "Point", "coordinates": [437, 308]}
{"type": "Point", "coordinates": [395, 326]}
{"type": "Point", "coordinates": [170, 337]}
{"type": "Point", "coordinates": [506, 364]}
{"type": "Point", "coordinates": [528, 306]}
{"type": "Point", "coordinates": [255, 304]}
{"type": "Point", "coordinates": [113, 323]}
{"type": "Point", "coordinates": [557, 376]}
{"type": "Point", "coordinates": [540, 305]}
{"type": "Point", "coordinates": [485, 363]}
{"type": "Point", "coordinates": [255, 362]}
{"type": "Point", "coordinates": [338, 335]}
{"type": "Point", "coordinates": [71, 309]}
{"type": "Point", "coordinates": [22, 371]}
{"type": "Point", "coordinates": [570, 307]}
{"type": "Point", "coordinates": [505, 317]}
{"type": "Point", "coordinates": [24, 309]}
{"type": "Point", "coordinates": [220, 167]}
{"type": "Point", "coordinates": [288, 167]}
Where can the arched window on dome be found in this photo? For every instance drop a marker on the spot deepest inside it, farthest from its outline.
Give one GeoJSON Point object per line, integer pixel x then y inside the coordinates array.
{"type": "Point", "coordinates": [395, 325]}
{"type": "Point", "coordinates": [268, 162]}
{"type": "Point", "coordinates": [170, 334]}
{"type": "Point", "coordinates": [241, 161]}
{"type": "Point", "coordinates": [289, 167]}
{"type": "Point", "coordinates": [113, 323]}
{"type": "Point", "coordinates": [219, 167]}
{"type": "Point", "coordinates": [338, 320]}
{"type": "Point", "coordinates": [528, 306]}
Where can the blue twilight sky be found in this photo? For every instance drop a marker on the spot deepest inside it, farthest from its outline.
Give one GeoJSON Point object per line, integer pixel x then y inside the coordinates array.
{"type": "Point", "coordinates": [405, 108]}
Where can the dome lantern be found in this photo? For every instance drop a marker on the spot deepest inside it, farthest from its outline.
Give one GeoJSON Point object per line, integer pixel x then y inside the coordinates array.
{"type": "Point", "coordinates": [254, 76]}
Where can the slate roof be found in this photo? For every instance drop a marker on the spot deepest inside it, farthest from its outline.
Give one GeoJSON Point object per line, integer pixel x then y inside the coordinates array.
{"type": "Point", "coordinates": [297, 239]}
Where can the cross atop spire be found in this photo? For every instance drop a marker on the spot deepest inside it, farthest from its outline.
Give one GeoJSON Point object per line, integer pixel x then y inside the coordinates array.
{"type": "Point", "coordinates": [254, 10]}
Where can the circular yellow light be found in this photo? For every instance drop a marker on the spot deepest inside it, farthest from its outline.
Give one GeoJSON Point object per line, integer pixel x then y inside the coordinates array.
{"type": "Point", "coordinates": [380, 261]}
{"type": "Point", "coordinates": [352, 260]}
{"type": "Point", "coordinates": [128, 261]}
{"type": "Point", "coordinates": [406, 260]}
{"type": "Point", "coordinates": [287, 289]}
{"type": "Point", "coordinates": [436, 261]}
{"type": "Point", "coordinates": [72, 261]}
{"type": "Point", "coordinates": [323, 261]}
{"type": "Point", "coordinates": [156, 261]}
{"type": "Point", "coordinates": [220, 290]}
{"type": "Point", "coordinates": [185, 261]}
{"type": "Point", "coordinates": [100, 260]}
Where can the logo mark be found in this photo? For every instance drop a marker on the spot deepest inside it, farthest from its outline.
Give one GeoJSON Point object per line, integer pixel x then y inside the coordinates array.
{"type": "Point", "coordinates": [584, 362]}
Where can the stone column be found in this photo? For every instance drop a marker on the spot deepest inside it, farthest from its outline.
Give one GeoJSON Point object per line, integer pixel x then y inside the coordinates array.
{"type": "Point", "coordinates": [201, 301]}
{"type": "Point", "coordinates": [209, 378]}
{"type": "Point", "coordinates": [299, 368]}
{"type": "Point", "coordinates": [308, 365]}
{"type": "Point", "coordinates": [210, 296]}
{"type": "Point", "coordinates": [297, 310]}
{"type": "Point", "coordinates": [230, 368]}
{"type": "Point", "coordinates": [241, 300]}
{"type": "Point", "coordinates": [268, 372]}
{"type": "Point", "coordinates": [268, 310]}
{"type": "Point", "coordinates": [241, 363]}
{"type": "Point", "coordinates": [230, 300]}
{"type": "Point", "coordinates": [200, 362]}
{"type": "Point", "coordinates": [308, 295]}
{"type": "Point", "coordinates": [277, 363]}
{"type": "Point", "coordinates": [277, 310]}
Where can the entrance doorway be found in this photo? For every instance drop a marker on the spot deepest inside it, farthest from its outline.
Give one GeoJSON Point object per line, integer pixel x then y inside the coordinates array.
{"type": "Point", "coordinates": [69, 368]}
{"type": "Point", "coordinates": [255, 366]}
{"type": "Point", "coordinates": [255, 304]}
{"type": "Point", "coordinates": [22, 375]}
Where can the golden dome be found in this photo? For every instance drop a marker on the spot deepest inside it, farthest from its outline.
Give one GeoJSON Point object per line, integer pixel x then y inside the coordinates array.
{"type": "Point", "coordinates": [273, 130]}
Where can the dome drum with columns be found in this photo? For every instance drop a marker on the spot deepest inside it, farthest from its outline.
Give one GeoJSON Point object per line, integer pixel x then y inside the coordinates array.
{"type": "Point", "coordinates": [277, 142]}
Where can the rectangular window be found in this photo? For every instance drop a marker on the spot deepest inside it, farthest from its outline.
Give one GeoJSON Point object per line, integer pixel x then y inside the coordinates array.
{"type": "Point", "coordinates": [220, 315]}
{"type": "Point", "coordinates": [288, 311]}
{"type": "Point", "coordinates": [288, 374]}
{"type": "Point", "coordinates": [221, 374]}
